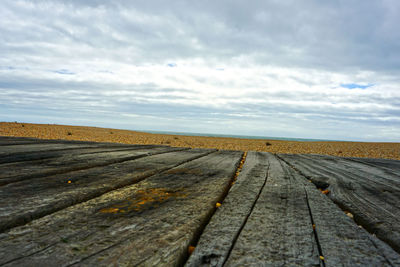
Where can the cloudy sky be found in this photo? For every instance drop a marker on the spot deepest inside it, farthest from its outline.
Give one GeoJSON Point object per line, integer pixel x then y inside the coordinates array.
{"type": "Point", "coordinates": [310, 69]}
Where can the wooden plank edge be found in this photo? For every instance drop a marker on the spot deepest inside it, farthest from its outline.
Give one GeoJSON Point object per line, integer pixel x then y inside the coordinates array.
{"type": "Point", "coordinates": [24, 219]}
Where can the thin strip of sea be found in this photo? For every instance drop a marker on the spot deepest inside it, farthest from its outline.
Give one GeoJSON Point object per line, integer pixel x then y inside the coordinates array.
{"type": "Point", "coordinates": [237, 136]}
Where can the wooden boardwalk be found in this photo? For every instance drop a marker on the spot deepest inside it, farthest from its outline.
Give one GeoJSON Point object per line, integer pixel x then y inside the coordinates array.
{"type": "Point", "coordinates": [82, 203]}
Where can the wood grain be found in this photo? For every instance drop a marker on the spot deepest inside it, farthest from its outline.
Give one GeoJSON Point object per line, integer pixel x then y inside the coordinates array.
{"type": "Point", "coordinates": [149, 223]}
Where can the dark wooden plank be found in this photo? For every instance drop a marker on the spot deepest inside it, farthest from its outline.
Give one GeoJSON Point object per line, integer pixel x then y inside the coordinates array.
{"type": "Point", "coordinates": [342, 242]}
{"type": "Point", "coordinates": [370, 193]}
{"type": "Point", "coordinates": [20, 149]}
{"type": "Point", "coordinates": [14, 172]}
{"type": "Point", "coordinates": [279, 230]}
{"type": "Point", "coordinates": [12, 139]}
{"type": "Point", "coordinates": [7, 141]}
{"type": "Point", "coordinates": [388, 164]}
{"type": "Point", "coordinates": [53, 141]}
{"type": "Point", "coordinates": [47, 154]}
{"type": "Point", "coordinates": [30, 199]}
{"type": "Point", "coordinates": [150, 223]}
{"type": "Point", "coordinates": [16, 142]}
{"type": "Point", "coordinates": [224, 227]}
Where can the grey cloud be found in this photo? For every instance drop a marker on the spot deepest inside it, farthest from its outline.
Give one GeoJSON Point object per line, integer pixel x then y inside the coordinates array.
{"type": "Point", "coordinates": [313, 34]}
{"type": "Point", "coordinates": [53, 48]}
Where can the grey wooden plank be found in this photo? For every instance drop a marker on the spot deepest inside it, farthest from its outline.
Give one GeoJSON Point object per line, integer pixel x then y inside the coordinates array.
{"type": "Point", "coordinates": [16, 149]}
{"type": "Point", "coordinates": [388, 164]}
{"type": "Point", "coordinates": [4, 139]}
{"type": "Point", "coordinates": [16, 142]}
{"type": "Point", "coordinates": [14, 172]}
{"type": "Point", "coordinates": [47, 154]}
{"type": "Point", "coordinates": [24, 201]}
{"type": "Point", "coordinates": [279, 229]}
{"type": "Point", "coordinates": [370, 193]}
{"type": "Point", "coordinates": [342, 242]}
{"type": "Point", "coordinates": [150, 223]}
{"type": "Point", "coordinates": [18, 138]}
{"type": "Point", "coordinates": [383, 171]}
{"type": "Point", "coordinates": [225, 225]}
{"type": "Point", "coordinates": [282, 209]}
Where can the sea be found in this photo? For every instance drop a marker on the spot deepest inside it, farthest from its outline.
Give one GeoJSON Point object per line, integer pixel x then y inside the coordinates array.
{"type": "Point", "coordinates": [237, 136]}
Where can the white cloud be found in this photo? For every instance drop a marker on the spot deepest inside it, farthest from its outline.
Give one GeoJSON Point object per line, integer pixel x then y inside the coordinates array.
{"type": "Point", "coordinates": [229, 67]}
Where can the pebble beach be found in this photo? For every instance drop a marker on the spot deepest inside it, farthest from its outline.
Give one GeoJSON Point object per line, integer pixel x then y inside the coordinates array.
{"type": "Point", "coordinates": [83, 133]}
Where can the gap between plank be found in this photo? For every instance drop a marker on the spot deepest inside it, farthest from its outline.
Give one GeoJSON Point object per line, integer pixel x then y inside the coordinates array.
{"type": "Point", "coordinates": [9, 180]}
{"type": "Point", "coordinates": [202, 227]}
{"type": "Point", "coordinates": [356, 219]}
{"type": "Point", "coordinates": [33, 217]}
{"type": "Point", "coordinates": [247, 217]}
{"type": "Point", "coordinates": [127, 238]}
{"type": "Point", "coordinates": [42, 151]}
{"type": "Point", "coordinates": [321, 255]}
{"type": "Point", "coordinates": [43, 155]}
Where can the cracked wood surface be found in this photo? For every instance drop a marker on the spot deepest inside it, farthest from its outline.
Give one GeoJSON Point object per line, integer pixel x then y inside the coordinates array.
{"type": "Point", "coordinates": [22, 149]}
{"type": "Point", "coordinates": [279, 230]}
{"type": "Point", "coordinates": [18, 171]}
{"type": "Point", "coordinates": [224, 227]}
{"type": "Point", "coordinates": [25, 149]}
{"type": "Point", "coordinates": [151, 222]}
{"type": "Point", "coordinates": [85, 203]}
{"type": "Point", "coordinates": [41, 155]}
{"type": "Point", "coordinates": [292, 224]}
{"type": "Point", "coordinates": [7, 141]}
{"type": "Point", "coordinates": [367, 190]}
{"type": "Point", "coordinates": [31, 199]}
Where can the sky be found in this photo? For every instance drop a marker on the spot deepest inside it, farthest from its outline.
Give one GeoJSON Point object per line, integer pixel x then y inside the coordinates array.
{"type": "Point", "coordinates": [297, 69]}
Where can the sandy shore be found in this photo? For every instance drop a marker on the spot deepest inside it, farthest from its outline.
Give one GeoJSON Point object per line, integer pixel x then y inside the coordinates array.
{"type": "Point", "coordinates": [343, 149]}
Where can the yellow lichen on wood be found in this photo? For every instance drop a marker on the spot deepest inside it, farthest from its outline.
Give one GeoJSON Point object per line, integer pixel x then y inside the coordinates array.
{"type": "Point", "coordinates": [109, 210]}
{"type": "Point", "coordinates": [144, 198]}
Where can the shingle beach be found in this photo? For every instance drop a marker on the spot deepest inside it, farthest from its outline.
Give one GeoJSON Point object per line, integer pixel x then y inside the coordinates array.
{"type": "Point", "coordinates": [343, 149]}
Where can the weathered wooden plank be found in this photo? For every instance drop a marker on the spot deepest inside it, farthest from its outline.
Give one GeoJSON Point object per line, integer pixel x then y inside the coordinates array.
{"type": "Point", "coordinates": [5, 139]}
{"type": "Point", "coordinates": [16, 142]}
{"type": "Point", "coordinates": [370, 193]}
{"type": "Point", "coordinates": [342, 242]}
{"type": "Point", "coordinates": [47, 154]}
{"type": "Point", "coordinates": [225, 225]}
{"type": "Point", "coordinates": [14, 172]}
{"type": "Point", "coordinates": [18, 138]}
{"type": "Point", "coordinates": [279, 231]}
{"type": "Point", "coordinates": [150, 223]}
{"type": "Point", "coordinates": [388, 164]}
{"type": "Point", "coordinates": [2, 137]}
{"type": "Point", "coordinates": [16, 149]}
{"type": "Point", "coordinates": [24, 201]}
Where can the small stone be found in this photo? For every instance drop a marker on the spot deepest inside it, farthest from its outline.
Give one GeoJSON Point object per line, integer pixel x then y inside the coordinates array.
{"type": "Point", "coordinates": [191, 249]}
